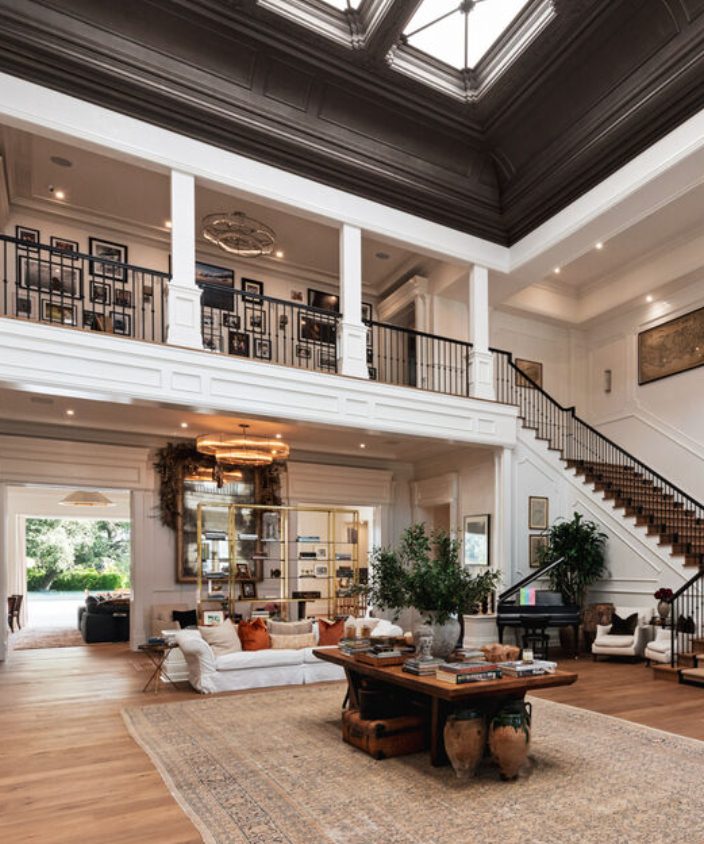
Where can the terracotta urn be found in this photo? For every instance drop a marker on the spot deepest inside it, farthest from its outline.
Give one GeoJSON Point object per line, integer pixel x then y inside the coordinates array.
{"type": "Point", "coordinates": [509, 737]}
{"type": "Point", "coordinates": [465, 738]}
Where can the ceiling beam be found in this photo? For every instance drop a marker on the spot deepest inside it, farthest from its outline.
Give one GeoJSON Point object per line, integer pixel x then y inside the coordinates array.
{"type": "Point", "coordinates": [388, 32]}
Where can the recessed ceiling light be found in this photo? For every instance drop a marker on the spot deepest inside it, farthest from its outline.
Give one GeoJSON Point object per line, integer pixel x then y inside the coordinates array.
{"type": "Point", "coordinates": [382, 256]}
{"type": "Point", "coordinates": [167, 223]}
{"type": "Point", "coordinates": [279, 253]}
{"type": "Point", "coordinates": [278, 436]}
{"type": "Point", "coordinates": [648, 298]}
{"type": "Point", "coordinates": [184, 424]}
{"type": "Point", "coordinates": [599, 245]}
{"type": "Point", "coordinates": [61, 161]}
{"type": "Point", "coordinates": [59, 194]}
{"type": "Point", "coordinates": [557, 271]}
{"type": "Point", "coordinates": [362, 445]}
{"type": "Point", "coordinates": [70, 412]}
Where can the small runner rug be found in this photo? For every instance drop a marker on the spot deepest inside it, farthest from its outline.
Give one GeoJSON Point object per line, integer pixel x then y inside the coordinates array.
{"type": "Point", "coordinates": [45, 637]}
{"type": "Point", "coordinates": [270, 768]}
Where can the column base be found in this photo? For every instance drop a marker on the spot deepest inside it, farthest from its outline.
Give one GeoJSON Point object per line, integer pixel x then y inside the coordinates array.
{"type": "Point", "coordinates": [183, 316]}
{"type": "Point", "coordinates": [480, 367]}
{"type": "Point", "coordinates": [352, 350]}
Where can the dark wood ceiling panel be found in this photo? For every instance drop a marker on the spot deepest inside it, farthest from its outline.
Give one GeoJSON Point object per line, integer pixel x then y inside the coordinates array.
{"type": "Point", "coordinates": [605, 79]}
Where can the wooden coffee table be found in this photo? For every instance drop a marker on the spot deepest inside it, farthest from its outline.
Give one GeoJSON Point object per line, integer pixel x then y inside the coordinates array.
{"type": "Point", "coordinates": [443, 698]}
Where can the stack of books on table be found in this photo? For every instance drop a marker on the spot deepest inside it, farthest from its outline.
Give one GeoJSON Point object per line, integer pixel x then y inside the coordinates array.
{"type": "Point", "coordinates": [457, 673]}
{"type": "Point", "coordinates": [422, 667]}
{"type": "Point", "coordinates": [380, 658]}
{"type": "Point", "coordinates": [469, 655]}
{"type": "Point", "coordinates": [528, 669]}
{"type": "Point", "coordinates": [351, 647]}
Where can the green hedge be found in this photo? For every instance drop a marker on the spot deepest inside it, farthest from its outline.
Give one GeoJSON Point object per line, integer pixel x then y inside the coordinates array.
{"type": "Point", "coordinates": [76, 580]}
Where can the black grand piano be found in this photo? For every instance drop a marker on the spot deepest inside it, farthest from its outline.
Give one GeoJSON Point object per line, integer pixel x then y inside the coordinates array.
{"type": "Point", "coordinates": [549, 609]}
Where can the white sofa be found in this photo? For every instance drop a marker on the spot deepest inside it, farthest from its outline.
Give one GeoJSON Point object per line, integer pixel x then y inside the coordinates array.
{"type": "Point", "coordinates": [660, 648]}
{"type": "Point", "coordinates": [606, 644]}
{"type": "Point", "coordinates": [231, 672]}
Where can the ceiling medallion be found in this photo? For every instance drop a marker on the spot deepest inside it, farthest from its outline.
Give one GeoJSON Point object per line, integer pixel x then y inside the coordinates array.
{"type": "Point", "coordinates": [239, 234]}
{"type": "Point", "coordinates": [241, 449]}
{"type": "Point", "coordinates": [83, 498]}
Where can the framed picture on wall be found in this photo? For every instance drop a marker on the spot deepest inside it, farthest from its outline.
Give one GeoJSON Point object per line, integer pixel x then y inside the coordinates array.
{"type": "Point", "coordinates": [476, 540]}
{"type": "Point", "coordinates": [28, 237]}
{"type": "Point", "coordinates": [533, 370]}
{"type": "Point", "coordinates": [108, 251]}
{"type": "Point", "coordinates": [238, 344]}
{"type": "Point", "coordinates": [63, 244]}
{"type": "Point", "coordinates": [538, 512]}
{"type": "Point", "coordinates": [324, 301]}
{"type": "Point", "coordinates": [366, 312]}
{"type": "Point", "coordinates": [536, 542]}
{"type": "Point", "coordinates": [251, 285]}
{"type": "Point", "coordinates": [217, 283]}
{"type": "Point", "coordinates": [248, 590]}
{"type": "Point", "coordinates": [671, 348]}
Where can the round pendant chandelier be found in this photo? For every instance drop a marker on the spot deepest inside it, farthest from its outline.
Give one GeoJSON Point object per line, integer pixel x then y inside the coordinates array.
{"type": "Point", "coordinates": [242, 449]}
{"type": "Point", "coordinates": [215, 475]}
{"type": "Point", "coordinates": [239, 234]}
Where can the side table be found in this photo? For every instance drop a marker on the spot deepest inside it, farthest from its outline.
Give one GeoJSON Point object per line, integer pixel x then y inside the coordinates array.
{"type": "Point", "coordinates": [157, 653]}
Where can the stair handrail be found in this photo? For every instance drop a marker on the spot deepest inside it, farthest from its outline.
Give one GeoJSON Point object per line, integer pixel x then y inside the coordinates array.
{"type": "Point", "coordinates": [692, 580]}
{"type": "Point", "coordinates": [573, 412]}
{"type": "Point", "coordinates": [678, 636]}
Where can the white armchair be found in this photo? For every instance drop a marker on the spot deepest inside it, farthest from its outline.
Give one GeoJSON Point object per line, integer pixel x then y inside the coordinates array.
{"type": "Point", "coordinates": [606, 644]}
{"type": "Point", "coordinates": [660, 648]}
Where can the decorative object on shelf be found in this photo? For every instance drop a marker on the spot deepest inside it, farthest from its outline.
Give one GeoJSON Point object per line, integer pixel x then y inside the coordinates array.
{"type": "Point", "coordinates": [28, 237]}
{"type": "Point", "coordinates": [538, 509]}
{"type": "Point", "coordinates": [664, 598]}
{"type": "Point", "coordinates": [86, 498]}
{"type": "Point", "coordinates": [532, 373]}
{"type": "Point", "coordinates": [465, 739]}
{"type": "Point", "coordinates": [213, 617]}
{"type": "Point", "coordinates": [509, 737]}
{"type": "Point", "coordinates": [672, 347]}
{"type": "Point", "coordinates": [63, 244]}
{"type": "Point", "coordinates": [239, 234]}
{"type": "Point", "coordinates": [321, 570]}
{"type": "Point", "coordinates": [248, 589]}
{"type": "Point", "coordinates": [476, 540]}
{"type": "Point", "coordinates": [537, 542]}
{"type": "Point", "coordinates": [425, 573]}
{"type": "Point", "coordinates": [242, 570]}
{"type": "Point", "coordinates": [107, 251]}
{"type": "Point", "coordinates": [242, 449]}
{"type": "Point", "coordinates": [324, 301]}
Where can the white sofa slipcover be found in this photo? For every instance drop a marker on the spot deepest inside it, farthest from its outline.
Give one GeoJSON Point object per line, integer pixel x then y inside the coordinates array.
{"type": "Point", "coordinates": [660, 648]}
{"type": "Point", "coordinates": [607, 645]}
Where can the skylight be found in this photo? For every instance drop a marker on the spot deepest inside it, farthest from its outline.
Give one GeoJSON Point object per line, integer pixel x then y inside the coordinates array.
{"type": "Point", "coordinates": [343, 4]}
{"type": "Point", "coordinates": [459, 33]}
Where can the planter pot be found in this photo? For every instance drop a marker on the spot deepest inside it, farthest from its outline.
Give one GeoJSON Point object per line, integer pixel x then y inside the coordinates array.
{"type": "Point", "coordinates": [465, 738]}
{"type": "Point", "coordinates": [445, 637]}
{"type": "Point", "coordinates": [663, 609]}
{"type": "Point", "coordinates": [509, 737]}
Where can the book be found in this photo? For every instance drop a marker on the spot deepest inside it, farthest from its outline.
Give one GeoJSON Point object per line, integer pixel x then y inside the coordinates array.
{"type": "Point", "coordinates": [461, 679]}
{"type": "Point", "coordinates": [467, 667]}
{"type": "Point", "coordinates": [308, 538]}
{"type": "Point", "coordinates": [419, 672]}
{"type": "Point", "coordinates": [247, 536]}
{"type": "Point", "coordinates": [528, 669]}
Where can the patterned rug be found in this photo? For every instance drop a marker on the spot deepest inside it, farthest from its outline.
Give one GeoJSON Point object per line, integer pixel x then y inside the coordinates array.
{"type": "Point", "coordinates": [45, 637]}
{"type": "Point", "coordinates": [270, 768]}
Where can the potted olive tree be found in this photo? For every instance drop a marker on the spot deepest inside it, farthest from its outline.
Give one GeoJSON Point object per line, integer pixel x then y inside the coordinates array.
{"type": "Point", "coordinates": [425, 573]}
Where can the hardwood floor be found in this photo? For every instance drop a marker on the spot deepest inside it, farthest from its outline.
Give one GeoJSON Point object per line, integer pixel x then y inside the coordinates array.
{"type": "Point", "coordinates": [71, 772]}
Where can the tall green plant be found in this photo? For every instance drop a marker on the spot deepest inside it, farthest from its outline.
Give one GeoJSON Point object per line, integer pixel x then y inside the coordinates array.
{"type": "Point", "coordinates": [582, 545]}
{"type": "Point", "coordinates": [425, 573]}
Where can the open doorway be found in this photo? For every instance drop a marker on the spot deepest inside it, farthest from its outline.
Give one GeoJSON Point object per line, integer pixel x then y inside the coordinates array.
{"type": "Point", "coordinates": [69, 566]}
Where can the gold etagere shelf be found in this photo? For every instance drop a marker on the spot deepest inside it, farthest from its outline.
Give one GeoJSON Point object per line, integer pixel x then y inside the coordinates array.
{"type": "Point", "coordinates": [245, 549]}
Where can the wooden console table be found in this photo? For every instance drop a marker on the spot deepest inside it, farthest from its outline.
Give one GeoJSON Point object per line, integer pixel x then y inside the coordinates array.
{"type": "Point", "coordinates": [489, 695]}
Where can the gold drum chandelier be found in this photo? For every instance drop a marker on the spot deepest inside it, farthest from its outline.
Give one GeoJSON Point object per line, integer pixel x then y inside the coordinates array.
{"type": "Point", "coordinates": [239, 234]}
{"type": "Point", "coordinates": [241, 449]}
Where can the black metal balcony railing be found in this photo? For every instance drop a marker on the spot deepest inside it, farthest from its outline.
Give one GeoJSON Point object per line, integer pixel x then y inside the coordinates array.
{"type": "Point", "coordinates": [687, 618]}
{"type": "Point", "coordinates": [411, 358]}
{"type": "Point", "coordinates": [270, 330]}
{"type": "Point", "coordinates": [49, 285]}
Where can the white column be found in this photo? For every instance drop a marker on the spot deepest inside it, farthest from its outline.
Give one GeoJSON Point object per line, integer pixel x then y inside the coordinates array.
{"type": "Point", "coordinates": [352, 335]}
{"type": "Point", "coordinates": [183, 312]}
{"type": "Point", "coordinates": [481, 362]}
{"type": "Point", "coordinates": [4, 558]}
{"type": "Point", "coordinates": [502, 554]}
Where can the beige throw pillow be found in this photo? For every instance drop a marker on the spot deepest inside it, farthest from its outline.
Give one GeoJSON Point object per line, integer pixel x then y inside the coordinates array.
{"type": "Point", "coordinates": [222, 638]}
{"type": "Point", "coordinates": [289, 628]}
{"type": "Point", "coordinates": [292, 643]}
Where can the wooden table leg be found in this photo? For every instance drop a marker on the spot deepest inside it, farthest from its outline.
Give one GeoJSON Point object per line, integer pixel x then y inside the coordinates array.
{"type": "Point", "coordinates": [438, 716]}
{"type": "Point", "coordinates": [351, 698]}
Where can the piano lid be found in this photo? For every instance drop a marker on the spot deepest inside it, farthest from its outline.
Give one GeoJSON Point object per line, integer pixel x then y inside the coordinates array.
{"type": "Point", "coordinates": [529, 579]}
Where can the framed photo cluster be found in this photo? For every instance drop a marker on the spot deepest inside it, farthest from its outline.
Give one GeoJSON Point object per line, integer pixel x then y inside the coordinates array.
{"type": "Point", "coordinates": [538, 519]}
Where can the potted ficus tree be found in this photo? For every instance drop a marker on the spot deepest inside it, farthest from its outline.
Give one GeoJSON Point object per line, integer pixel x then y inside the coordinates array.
{"type": "Point", "coordinates": [583, 546]}
{"type": "Point", "coordinates": [425, 573]}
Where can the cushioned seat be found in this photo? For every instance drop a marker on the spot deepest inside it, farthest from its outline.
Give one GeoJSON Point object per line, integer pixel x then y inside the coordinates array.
{"type": "Point", "coordinates": [258, 659]}
{"type": "Point", "coordinates": [620, 643]}
{"type": "Point", "coordinates": [660, 649]}
{"type": "Point", "coordinates": [614, 641]}
{"type": "Point", "coordinates": [309, 658]}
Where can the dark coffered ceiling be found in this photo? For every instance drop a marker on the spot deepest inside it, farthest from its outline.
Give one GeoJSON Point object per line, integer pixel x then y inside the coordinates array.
{"type": "Point", "coordinates": [604, 80]}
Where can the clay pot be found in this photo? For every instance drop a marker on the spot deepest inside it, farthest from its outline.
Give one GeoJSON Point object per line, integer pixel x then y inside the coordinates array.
{"type": "Point", "coordinates": [465, 737]}
{"type": "Point", "coordinates": [509, 737]}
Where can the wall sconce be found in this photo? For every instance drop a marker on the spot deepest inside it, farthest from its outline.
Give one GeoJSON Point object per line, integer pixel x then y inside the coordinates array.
{"type": "Point", "coordinates": [607, 380]}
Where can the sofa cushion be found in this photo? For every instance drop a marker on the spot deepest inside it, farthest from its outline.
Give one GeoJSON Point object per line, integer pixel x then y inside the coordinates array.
{"type": "Point", "coordinates": [258, 659]}
{"type": "Point", "coordinates": [222, 638]}
{"type": "Point", "coordinates": [254, 635]}
{"type": "Point", "coordinates": [290, 628]}
{"type": "Point", "coordinates": [186, 618]}
{"type": "Point", "coordinates": [330, 632]}
{"type": "Point", "coordinates": [660, 645]}
{"type": "Point", "coordinates": [295, 643]}
{"type": "Point", "coordinates": [614, 641]}
{"type": "Point", "coordinates": [624, 626]}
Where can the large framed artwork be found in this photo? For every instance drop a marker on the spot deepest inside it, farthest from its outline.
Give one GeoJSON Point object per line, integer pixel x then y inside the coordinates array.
{"type": "Point", "coordinates": [476, 540]}
{"type": "Point", "coordinates": [324, 301]}
{"type": "Point", "coordinates": [109, 251]}
{"type": "Point", "coordinates": [533, 369]}
{"type": "Point", "coordinates": [317, 329]}
{"type": "Point", "coordinates": [218, 283]}
{"type": "Point", "coordinates": [671, 348]}
{"type": "Point", "coordinates": [50, 276]}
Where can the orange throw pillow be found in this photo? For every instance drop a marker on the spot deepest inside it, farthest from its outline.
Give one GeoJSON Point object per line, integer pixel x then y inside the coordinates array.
{"type": "Point", "coordinates": [330, 632]}
{"type": "Point", "coordinates": [254, 635]}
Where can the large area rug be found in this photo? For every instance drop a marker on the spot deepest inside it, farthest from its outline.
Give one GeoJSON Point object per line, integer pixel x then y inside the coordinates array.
{"type": "Point", "coordinates": [270, 768]}
{"type": "Point", "coordinates": [45, 637]}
